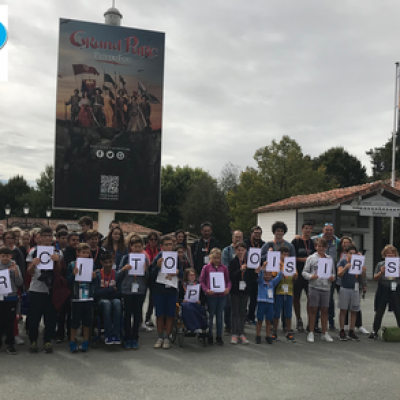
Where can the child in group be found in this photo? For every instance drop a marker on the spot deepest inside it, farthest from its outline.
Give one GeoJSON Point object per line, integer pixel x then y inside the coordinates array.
{"type": "Point", "coordinates": [265, 301]}
{"type": "Point", "coordinates": [349, 294]}
{"type": "Point", "coordinates": [108, 297]}
{"type": "Point", "coordinates": [241, 284]}
{"type": "Point", "coordinates": [164, 296]}
{"type": "Point", "coordinates": [387, 293]}
{"type": "Point", "coordinates": [8, 304]}
{"type": "Point", "coordinates": [82, 301]}
{"type": "Point", "coordinates": [284, 299]}
{"type": "Point", "coordinates": [93, 238]}
{"type": "Point", "coordinates": [319, 290]}
{"type": "Point", "coordinates": [42, 292]}
{"type": "Point", "coordinates": [193, 314]}
{"type": "Point", "coordinates": [134, 293]}
{"type": "Point", "coordinates": [215, 301]}
{"type": "Point", "coordinates": [61, 240]}
{"type": "Point", "coordinates": [182, 256]}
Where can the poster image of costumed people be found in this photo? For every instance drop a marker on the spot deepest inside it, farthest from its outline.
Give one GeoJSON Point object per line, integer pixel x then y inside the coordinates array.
{"type": "Point", "coordinates": [108, 118]}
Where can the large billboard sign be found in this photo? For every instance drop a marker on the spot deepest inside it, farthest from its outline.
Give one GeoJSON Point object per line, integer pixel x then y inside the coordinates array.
{"type": "Point", "coordinates": [108, 118]}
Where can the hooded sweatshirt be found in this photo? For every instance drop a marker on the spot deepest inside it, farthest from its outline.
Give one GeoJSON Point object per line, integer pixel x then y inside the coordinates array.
{"type": "Point", "coordinates": [311, 268]}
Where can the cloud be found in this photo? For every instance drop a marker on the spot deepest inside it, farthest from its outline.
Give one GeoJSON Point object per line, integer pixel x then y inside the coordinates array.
{"type": "Point", "coordinates": [238, 75]}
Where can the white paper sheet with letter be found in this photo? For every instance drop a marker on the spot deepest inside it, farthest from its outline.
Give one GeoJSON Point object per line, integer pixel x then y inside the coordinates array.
{"type": "Point", "coordinates": [44, 253]}
{"type": "Point", "coordinates": [289, 266]}
{"type": "Point", "coordinates": [85, 269]}
{"type": "Point", "coordinates": [324, 268]}
{"type": "Point", "coordinates": [138, 262]}
{"type": "Point", "coordinates": [253, 258]}
{"type": "Point", "coordinates": [357, 263]}
{"type": "Point", "coordinates": [167, 281]}
{"type": "Point", "coordinates": [192, 294]}
{"type": "Point", "coordinates": [217, 282]}
{"type": "Point", "coordinates": [392, 267]}
{"type": "Point", "coordinates": [170, 262]}
{"type": "Point", "coordinates": [5, 282]}
{"type": "Point", "coordinates": [274, 258]}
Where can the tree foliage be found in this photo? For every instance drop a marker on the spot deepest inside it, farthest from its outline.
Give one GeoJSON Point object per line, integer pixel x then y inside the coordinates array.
{"type": "Point", "coordinates": [282, 171]}
{"type": "Point", "coordinates": [342, 167]}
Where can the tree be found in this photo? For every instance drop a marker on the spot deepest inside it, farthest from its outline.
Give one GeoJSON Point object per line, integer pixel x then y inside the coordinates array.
{"type": "Point", "coordinates": [229, 178]}
{"type": "Point", "coordinates": [282, 171]}
{"type": "Point", "coordinates": [13, 194]}
{"type": "Point", "coordinates": [205, 201]}
{"type": "Point", "coordinates": [384, 153]}
{"type": "Point", "coordinates": [342, 167]}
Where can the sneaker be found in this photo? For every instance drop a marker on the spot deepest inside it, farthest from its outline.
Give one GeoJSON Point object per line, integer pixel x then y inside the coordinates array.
{"type": "Point", "coordinates": [353, 336]}
{"type": "Point", "coordinates": [128, 345]}
{"type": "Point", "coordinates": [290, 336]}
{"type": "Point", "coordinates": [243, 339]}
{"type": "Point", "coordinates": [210, 340]}
{"type": "Point", "coordinates": [135, 344]}
{"type": "Point", "coordinates": [116, 339]}
{"type": "Point", "coordinates": [269, 339]}
{"type": "Point", "coordinates": [219, 341]}
{"type": "Point", "coordinates": [145, 328]}
{"type": "Point", "coordinates": [300, 326]}
{"type": "Point", "coordinates": [327, 337]}
{"type": "Point", "coordinates": [362, 330]}
{"type": "Point", "coordinates": [150, 324]}
{"type": "Point", "coordinates": [48, 348]}
{"type": "Point", "coordinates": [166, 344]}
{"type": "Point", "coordinates": [342, 335]}
{"type": "Point", "coordinates": [159, 343]}
{"type": "Point", "coordinates": [33, 348]}
{"type": "Point", "coordinates": [234, 340]}
{"type": "Point", "coordinates": [317, 330]}
{"type": "Point", "coordinates": [11, 350]}
{"type": "Point", "coordinates": [274, 335]}
{"type": "Point", "coordinates": [73, 347]}
{"type": "Point", "coordinates": [373, 336]}
{"type": "Point", "coordinates": [310, 337]}
{"type": "Point", "coordinates": [84, 347]}
{"type": "Point", "coordinates": [258, 339]}
{"type": "Point", "coordinates": [109, 340]}
{"type": "Point", "coordinates": [19, 340]}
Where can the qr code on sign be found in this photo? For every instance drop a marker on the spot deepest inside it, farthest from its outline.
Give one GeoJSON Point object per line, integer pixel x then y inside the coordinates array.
{"type": "Point", "coordinates": [109, 188]}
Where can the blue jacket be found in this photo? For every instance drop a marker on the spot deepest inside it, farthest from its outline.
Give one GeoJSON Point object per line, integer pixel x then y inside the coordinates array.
{"type": "Point", "coordinates": [263, 287]}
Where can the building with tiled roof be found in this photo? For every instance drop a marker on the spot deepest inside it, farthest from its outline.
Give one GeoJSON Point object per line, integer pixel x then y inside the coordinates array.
{"type": "Point", "coordinates": [355, 211]}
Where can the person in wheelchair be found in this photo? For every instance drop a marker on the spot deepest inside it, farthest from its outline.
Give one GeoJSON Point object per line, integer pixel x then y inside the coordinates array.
{"type": "Point", "coordinates": [108, 299]}
{"type": "Point", "coordinates": [193, 313]}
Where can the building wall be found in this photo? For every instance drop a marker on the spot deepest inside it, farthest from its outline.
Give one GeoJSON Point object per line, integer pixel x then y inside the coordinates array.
{"type": "Point", "coordinates": [266, 220]}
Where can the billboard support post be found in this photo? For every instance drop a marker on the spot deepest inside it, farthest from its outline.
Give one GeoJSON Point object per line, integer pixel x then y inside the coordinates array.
{"type": "Point", "coordinates": [112, 17]}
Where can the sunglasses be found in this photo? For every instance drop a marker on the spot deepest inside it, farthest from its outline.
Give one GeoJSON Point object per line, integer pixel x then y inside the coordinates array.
{"type": "Point", "coordinates": [328, 223]}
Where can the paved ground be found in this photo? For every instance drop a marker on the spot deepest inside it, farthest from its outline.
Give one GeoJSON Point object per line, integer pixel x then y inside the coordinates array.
{"type": "Point", "coordinates": [339, 370]}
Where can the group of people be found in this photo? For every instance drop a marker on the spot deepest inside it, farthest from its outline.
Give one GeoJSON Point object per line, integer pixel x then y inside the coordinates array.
{"type": "Point", "coordinates": [127, 113]}
{"type": "Point", "coordinates": [116, 297]}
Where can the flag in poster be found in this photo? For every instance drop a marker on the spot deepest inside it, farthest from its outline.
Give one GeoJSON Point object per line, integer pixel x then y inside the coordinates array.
{"type": "Point", "coordinates": [108, 118]}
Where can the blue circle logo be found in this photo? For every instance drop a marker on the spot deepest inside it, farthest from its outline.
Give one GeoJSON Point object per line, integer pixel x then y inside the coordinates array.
{"type": "Point", "coordinates": [3, 35]}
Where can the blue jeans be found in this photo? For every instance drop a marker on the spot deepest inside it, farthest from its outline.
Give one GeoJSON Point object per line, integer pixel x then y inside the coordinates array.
{"type": "Point", "coordinates": [216, 307]}
{"type": "Point", "coordinates": [111, 310]}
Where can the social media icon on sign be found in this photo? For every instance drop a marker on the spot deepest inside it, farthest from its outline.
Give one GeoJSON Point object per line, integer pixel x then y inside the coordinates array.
{"type": "Point", "coordinates": [110, 154]}
{"type": "Point", "coordinates": [3, 35]}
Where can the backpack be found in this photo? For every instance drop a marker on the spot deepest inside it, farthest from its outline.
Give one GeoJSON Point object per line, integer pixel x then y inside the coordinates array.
{"type": "Point", "coordinates": [391, 334]}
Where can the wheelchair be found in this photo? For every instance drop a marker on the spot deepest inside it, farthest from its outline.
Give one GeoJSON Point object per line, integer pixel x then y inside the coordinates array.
{"type": "Point", "coordinates": [180, 331]}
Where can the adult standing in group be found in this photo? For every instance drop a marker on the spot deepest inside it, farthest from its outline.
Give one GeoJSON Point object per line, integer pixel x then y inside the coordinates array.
{"type": "Point", "coordinates": [115, 244]}
{"type": "Point", "coordinates": [254, 241]}
{"type": "Point", "coordinates": [152, 249]}
{"type": "Point", "coordinates": [181, 239]}
{"type": "Point", "coordinates": [332, 250]}
{"type": "Point", "coordinates": [202, 247]}
{"type": "Point", "coordinates": [279, 229]}
{"type": "Point", "coordinates": [304, 247]}
{"type": "Point", "coordinates": [228, 254]}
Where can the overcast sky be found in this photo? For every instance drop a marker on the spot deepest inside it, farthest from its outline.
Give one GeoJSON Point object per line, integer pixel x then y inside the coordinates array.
{"type": "Point", "coordinates": [238, 75]}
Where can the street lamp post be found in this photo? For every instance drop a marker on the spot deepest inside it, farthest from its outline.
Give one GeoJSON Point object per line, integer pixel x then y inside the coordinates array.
{"type": "Point", "coordinates": [48, 215]}
{"type": "Point", "coordinates": [26, 212]}
{"type": "Point", "coordinates": [7, 210]}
